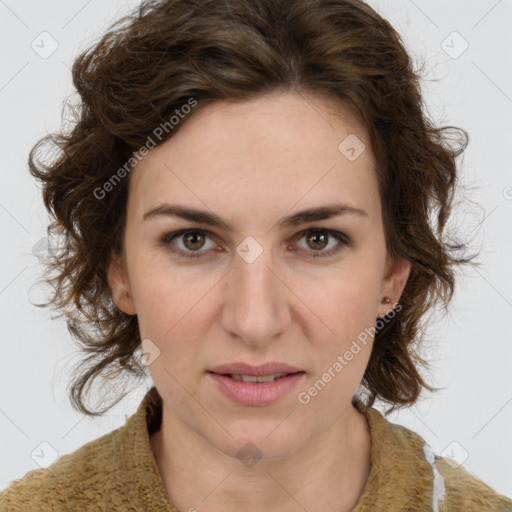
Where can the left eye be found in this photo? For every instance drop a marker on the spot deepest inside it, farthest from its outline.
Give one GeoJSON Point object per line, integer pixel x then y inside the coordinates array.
{"type": "Point", "coordinates": [194, 240]}
{"type": "Point", "coordinates": [321, 237]}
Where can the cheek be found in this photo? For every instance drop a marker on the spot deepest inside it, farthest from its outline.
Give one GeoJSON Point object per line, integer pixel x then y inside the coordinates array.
{"type": "Point", "coordinates": [163, 291]}
{"type": "Point", "coordinates": [343, 350]}
{"type": "Point", "coordinates": [173, 312]}
{"type": "Point", "coordinates": [358, 288]}
{"type": "Point", "coordinates": [344, 299]}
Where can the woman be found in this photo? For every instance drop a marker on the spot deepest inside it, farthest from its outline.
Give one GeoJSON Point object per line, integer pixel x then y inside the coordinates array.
{"type": "Point", "coordinates": [246, 201]}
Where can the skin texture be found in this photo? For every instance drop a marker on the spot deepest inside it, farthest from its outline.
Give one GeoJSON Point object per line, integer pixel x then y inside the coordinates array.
{"type": "Point", "coordinates": [253, 162]}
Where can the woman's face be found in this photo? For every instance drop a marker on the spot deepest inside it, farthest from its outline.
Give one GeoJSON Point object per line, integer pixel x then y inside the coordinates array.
{"type": "Point", "coordinates": [255, 292]}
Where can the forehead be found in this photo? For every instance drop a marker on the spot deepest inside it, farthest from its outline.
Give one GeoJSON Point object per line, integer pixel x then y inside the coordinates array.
{"type": "Point", "coordinates": [273, 149]}
{"type": "Point", "coordinates": [282, 121]}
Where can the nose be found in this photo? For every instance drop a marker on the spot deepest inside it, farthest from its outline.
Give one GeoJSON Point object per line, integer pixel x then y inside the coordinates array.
{"type": "Point", "coordinates": [257, 303]}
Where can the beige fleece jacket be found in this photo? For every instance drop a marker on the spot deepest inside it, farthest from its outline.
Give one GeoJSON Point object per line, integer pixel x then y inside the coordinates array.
{"type": "Point", "coordinates": [118, 472]}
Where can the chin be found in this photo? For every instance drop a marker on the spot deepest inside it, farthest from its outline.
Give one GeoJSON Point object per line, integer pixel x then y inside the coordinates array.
{"type": "Point", "coordinates": [260, 441]}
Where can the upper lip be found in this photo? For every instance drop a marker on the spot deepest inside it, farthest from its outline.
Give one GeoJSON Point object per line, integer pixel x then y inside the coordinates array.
{"type": "Point", "coordinates": [257, 371]}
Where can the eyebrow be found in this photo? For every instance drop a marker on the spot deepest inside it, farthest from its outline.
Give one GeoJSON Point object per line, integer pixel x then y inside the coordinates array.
{"type": "Point", "coordinates": [211, 219]}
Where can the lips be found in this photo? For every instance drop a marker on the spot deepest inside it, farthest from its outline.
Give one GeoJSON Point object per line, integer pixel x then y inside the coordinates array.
{"type": "Point", "coordinates": [256, 394]}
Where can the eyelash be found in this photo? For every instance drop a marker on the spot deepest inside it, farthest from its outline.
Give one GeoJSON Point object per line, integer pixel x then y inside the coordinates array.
{"type": "Point", "coordinates": [341, 237]}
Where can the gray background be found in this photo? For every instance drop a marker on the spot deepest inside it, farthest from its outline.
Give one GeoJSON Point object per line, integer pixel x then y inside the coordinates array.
{"type": "Point", "coordinates": [470, 350]}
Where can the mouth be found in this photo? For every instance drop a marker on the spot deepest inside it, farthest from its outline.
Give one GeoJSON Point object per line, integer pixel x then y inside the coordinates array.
{"type": "Point", "coordinates": [257, 390]}
{"type": "Point", "coordinates": [263, 378]}
{"type": "Point", "coordinates": [256, 378]}
{"type": "Point", "coordinates": [269, 371]}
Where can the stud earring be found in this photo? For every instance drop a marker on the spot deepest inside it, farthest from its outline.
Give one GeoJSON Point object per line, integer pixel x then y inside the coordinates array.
{"type": "Point", "coordinates": [384, 300]}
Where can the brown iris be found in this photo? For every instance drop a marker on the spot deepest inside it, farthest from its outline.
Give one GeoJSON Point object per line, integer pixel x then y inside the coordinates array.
{"type": "Point", "coordinates": [317, 237]}
{"type": "Point", "coordinates": [193, 238]}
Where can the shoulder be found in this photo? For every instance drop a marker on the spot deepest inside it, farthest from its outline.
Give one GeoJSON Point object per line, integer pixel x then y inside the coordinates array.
{"type": "Point", "coordinates": [466, 492]}
{"type": "Point", "coordinates": [77, 480]}
{"type": "Point", "coordinates": [416, 477]}
{"type": "Point", "coordinates": [454, 489]}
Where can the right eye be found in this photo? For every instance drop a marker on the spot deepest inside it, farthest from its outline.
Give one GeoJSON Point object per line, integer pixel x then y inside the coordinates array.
{"type": "Point", "coordinates": [193, 237]}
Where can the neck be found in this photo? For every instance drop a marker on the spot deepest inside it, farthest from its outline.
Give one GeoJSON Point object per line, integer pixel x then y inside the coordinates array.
{"type": "Point", "coordinates": [328, 473]}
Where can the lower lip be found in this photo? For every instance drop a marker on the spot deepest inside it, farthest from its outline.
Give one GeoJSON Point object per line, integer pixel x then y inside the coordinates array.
{"type": "Point", "coordinates": [256, 393]}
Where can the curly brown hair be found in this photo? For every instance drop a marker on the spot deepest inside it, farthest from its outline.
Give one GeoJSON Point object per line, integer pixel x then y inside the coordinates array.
{"type": "Point", "coordinates": [152, 62]}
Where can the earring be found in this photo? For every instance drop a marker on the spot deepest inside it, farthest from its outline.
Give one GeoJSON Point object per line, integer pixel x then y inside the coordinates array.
{"type": "Point", "coordinates": [384, 300]}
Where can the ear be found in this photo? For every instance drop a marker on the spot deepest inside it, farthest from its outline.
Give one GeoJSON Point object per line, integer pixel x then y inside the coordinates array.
{"type": "Point", "coordinates": [394, 281]}
{"type": "Point", "coordinates": [119, 283]}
